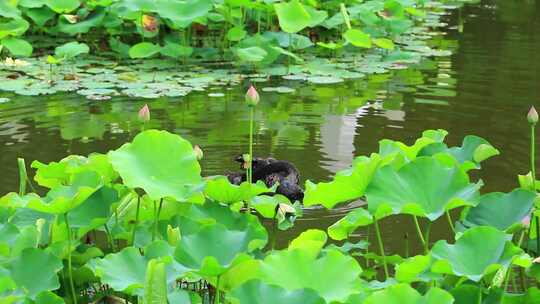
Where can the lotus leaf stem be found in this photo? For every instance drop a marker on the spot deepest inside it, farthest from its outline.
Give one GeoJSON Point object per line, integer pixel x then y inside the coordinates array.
{"type": "Point", "coordinates": [136, 220]}
{"type": "Point", "coordinates": [450, 221]}
{"type": "Point", "coordinates": [533, 177]}
{"type": "Point", "coordinates": [250, 169]}
{"type": "Point", "coordinates": [419, 231]}
{"type": "Point", "coordinates": [156, 217]}
{"type": "Point", "coordinates": [428, 232]}
{"type": "Point", "coordinates": [218, 294]}
{"type": "Point", "coordinates": [381, 248]}
{"type": "Point", "coordinates": [70, 272]}
{"type": "Point", "coordinates": [109, 238]}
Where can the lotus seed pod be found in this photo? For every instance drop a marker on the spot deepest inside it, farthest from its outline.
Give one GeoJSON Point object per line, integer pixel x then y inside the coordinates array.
{"type": "Point", "coordinates": [144, 113]}
{"type": "Point", "coordinates": [532, 117]}
{"type": "Point", "coordinates": [252, 97]}
{"type": "Point", "coordinates": [149, 23]}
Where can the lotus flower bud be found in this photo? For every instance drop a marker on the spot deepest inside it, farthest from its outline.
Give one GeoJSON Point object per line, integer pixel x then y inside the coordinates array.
{"type": "Point", "coordinates": [532, 117]}
{"type": "Point", "coordinates": [198, 152]}
{"type": "Point", "coordinates": [144, 113]}
{"type": "Point", "coordinates": [252, 97]}
{"type": "Point", "coordinates": [526, 221]}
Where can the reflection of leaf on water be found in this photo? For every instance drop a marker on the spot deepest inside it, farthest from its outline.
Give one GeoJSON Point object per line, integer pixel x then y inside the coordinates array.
{"type": "Point", "coordinates": [92, 127]}
{"type": "Point", "coordinates": [293, 136]}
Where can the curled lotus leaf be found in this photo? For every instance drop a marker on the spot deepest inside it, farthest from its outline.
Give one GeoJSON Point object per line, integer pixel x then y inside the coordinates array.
{"type": "Point", "coordinates": [501, 210]}
{"type": "Point", "coordinates": [347, 185]}
{"type": "Point", "coordinates": [479, 251]}
{"type": "Point", "coordinates": [162, 164]}
{"type": "Point", "coordinates": [425, 187]}
{"type": "Point", "coordinates": [298, 269]}
{"type": "Point", "coordinates": [214, 248]}
{"type": "Point", "coordinates": [221, 190]}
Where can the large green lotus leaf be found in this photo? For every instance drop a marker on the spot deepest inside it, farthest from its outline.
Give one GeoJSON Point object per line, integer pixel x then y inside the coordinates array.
{"type": "Point", "coordinates": [35, 271]}
{"type": "Point", "coordinates": [214, 248]}
{"type": "Point", "coordinates": [13, 27]}
{"type": "Point", "coordinates": [144, 50]}
{"type": "Point", "coordinates": [358, 38]}
{"type": "Point", "coordinates": [161, 163]}
{"type": "Point", "coordinates": [18, 47]}
{"type": "Point", "coordinates": [48, 297]}
{"type": "Point", "coordinates": [9, 10]}
{"type": "Point", "coordinates": [240, 273]}
{"type": "Point", "coordinates": [479, 251]}
{"type": "Point", "coordinates": [71, 50]}
{"type": "Point", "coordinates": [94, 211]}
{"type": "Point", "coordinates": [424, 187]}
{"type": "Point", "coordinates": [473, 150]}
{"type": "Point", "coordinates": [334, 276]}
{"type": "Point", "coordinates": [64, 172]}
{"type": "Point", "coordinates": [501, 210]}
{"type": "Point", "coordinates": [123, 271]}
{"type": "Point", "coordinates": [63, 199]}
{"type": "Point", "coordinates": [310, 241]}
{"type": "Point", "coordinates": [183, 12]}
{"type": "Point", "coordinates": [82, 26]}
{"type": "Point", "coordinates": [399, 153]}
{"type": "Point", "coordinates": [405, 294]}
{"type": "Point", "coordinates": [259, 292]}
{"type": "Point", "coordinates": [292, 16]}
{"type": "Point", "coordinates": [211, 213]}
{"type": "Point", "coordinates": [347, 184]}
{"type": "Point", "coordinates": [414, 269]}
{"type": "Point", "coordinates": [221, 190]}
{"type": "Point", "coordinates": [63, 6]}
{"type": "Point", "coordinates": [14, 200]}
{"type": "Point", "coordinates": [40, 15]}
{"type": "Point", "coordinates": [343, 228]}
{"type": "Point", "coordinates": [267, 206]}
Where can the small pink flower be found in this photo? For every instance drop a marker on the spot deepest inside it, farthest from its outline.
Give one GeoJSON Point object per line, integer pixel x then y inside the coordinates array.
{"type": "Point", "coordinates": [144, 113]}
{"type": "Point", "coordinates": [252, 97]}
{"type": "Point", "coordinates": [532, 116]}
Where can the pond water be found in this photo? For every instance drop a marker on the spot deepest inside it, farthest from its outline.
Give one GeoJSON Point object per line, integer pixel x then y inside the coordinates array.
{"type": "Point", "coordinates": [485, 88]}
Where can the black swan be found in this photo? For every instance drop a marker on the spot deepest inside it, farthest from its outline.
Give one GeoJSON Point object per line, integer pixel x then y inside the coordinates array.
{"type": "Point", "coordinates": [271, 171]}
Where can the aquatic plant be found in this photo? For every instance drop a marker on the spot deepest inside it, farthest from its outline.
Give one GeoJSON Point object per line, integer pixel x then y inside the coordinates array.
{"type": "Point", "coordinates": [341, 40]}
{"type": "Point", "coordinates": [129, 224]}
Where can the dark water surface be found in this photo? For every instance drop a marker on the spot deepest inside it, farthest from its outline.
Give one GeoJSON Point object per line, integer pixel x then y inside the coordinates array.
{"type": "Point", "coordinates": [485, 89]}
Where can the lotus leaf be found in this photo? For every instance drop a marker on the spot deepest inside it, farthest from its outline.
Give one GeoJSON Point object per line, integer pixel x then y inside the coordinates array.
{"type": "Point", "coordinates": [358, 38]}
{"type": "Point", "coordinates": [144, 50]}
{"type": "Point", "coordinates": [501, 210]}
{"type": "Point", "coordinates": [71, 50]}
{"type": "Point", "coordinates": [310, 241]}
{"type": "Point", "coordinates": [18, 47]}
{"type": "Point", "coordinates": [298, 269]}
{"type": "Point", "coordinates": [343, 228]}
{"type": "Point", "coordinates": [292, 16]}
{"type": "Point", "coordinates": [24, 274]}
{"type": "Point", "coordinates": [214, 248]}
{"type": "Point", "coordinates": [63, 6]}
{"type": "Point", "coordinates": [221, 190]}
{"type": "Point", "coordinates": [479, 251]}
{"type": "Point", "coordinates": [256, 291]}
{"type": "Point", "coordinates": [124, 271]}
{"type": "Point", "coordinates": [141, 165]}
{"type": "Point", "coordinates": [405, 294]}
{"type": "Point", "coordinates": [347, 184]}
{"type": "Point", "coordinates": [425, 187]}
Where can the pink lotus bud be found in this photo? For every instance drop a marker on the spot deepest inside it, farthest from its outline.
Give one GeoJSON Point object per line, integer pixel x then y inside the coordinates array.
{"type": "Point", "coordinates": [532, 117]}
{"type": "Point", "coordinates": [252, 97]}
{"type": "Point", "coordinates": [198, 152]}
{"type": "Point", "coordinates": [144, 113]}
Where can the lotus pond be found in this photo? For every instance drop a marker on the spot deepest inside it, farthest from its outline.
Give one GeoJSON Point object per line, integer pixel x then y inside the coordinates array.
{"type": "Point", "coordinates": [404, 118]}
